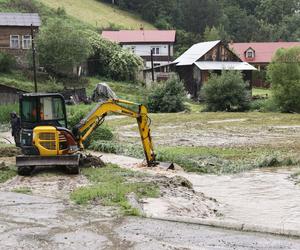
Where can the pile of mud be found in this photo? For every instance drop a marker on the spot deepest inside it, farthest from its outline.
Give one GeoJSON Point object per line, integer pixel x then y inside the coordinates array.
{"type": "Point", "coordinates": [10, 151]}
{"type": "Point", "coordinates": [177, 199]}
{"type": "Point", "coordinates": [89, 161]}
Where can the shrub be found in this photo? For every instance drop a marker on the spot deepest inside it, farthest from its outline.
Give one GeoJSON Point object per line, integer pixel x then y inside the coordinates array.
{"type": "Point", "coordinates": [226, 92]}
{"type": "Point", "coordinates": [5, 111]}
{"type": "Point", "coordinates": [103, 134]}
{"type": "Point", "coordinates": [110, 60]}
{"type": "Point", "coordinates": [264, 105]}
{"type": "Point", "coordinates": [167, 97]}
{"type": "Point", "coordinates": [7, 62]}
{"type": "Point", "coordinates": [284, 74]}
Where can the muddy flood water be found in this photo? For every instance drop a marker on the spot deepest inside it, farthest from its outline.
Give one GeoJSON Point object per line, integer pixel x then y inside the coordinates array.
{"type": "Point", "coordinates": [265, 197]}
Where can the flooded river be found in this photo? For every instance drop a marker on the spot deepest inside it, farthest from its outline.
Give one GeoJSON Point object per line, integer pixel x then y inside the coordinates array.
{"type": "Point", "coordinates": [265, 197]}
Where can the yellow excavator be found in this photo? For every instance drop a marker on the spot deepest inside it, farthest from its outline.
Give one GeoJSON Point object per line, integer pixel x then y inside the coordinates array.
{"type": "Point", "coordinates": [45, 139]}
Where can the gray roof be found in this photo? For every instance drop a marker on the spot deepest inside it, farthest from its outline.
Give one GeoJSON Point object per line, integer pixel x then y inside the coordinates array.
{"type": "Point", "coordinates": [20, 19]}
{"type": "Point", "coordinates": [195, 52]}
{"type": "Point", "coordinates": [213, 65]}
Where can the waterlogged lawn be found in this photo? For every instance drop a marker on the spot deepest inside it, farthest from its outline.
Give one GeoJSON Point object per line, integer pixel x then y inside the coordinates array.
{"type": "Point", "coordinates": [279, 147]}
{"type": "Point", "coordinates": [216, 160]}
{"type": "Point", "coordinates": [110, 185]}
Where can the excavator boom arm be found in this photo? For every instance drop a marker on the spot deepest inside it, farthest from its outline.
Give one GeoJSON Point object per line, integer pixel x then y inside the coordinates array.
{"type": "Point", "coordinates": [117, 106]}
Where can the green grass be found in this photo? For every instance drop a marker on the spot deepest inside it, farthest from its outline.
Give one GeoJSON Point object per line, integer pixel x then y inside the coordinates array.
{"type": "Point", "coordinates": [7, 173]}
{"type": "Point", "coordinates": [124, 90]}
{"type": "Point", "coordinates": [18, 79]}
{"type": "Point", "coordinates": [5, 111]}
{"type": "Point", "coordinates": [110, 185]}
{"type": "Point", "coordinates": [98, 14]}
{"type": "Point", "coordinates": [22, 190]}
{"type": "Point", "coordinates": [216, 160]}
{"type": "Point", "coordinates": [261, 92]}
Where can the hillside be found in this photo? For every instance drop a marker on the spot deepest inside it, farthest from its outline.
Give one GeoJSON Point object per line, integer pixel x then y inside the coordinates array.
{"type": "Point", "coordinates": [98, 14]}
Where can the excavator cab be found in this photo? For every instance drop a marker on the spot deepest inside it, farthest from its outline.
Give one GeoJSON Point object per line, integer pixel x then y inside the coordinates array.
{"type": "Point", "coordinates": [42, 109]}
{"type": "Point", "coordinates": [42, 133]}
{"type": "Point", "coordinates": [37, 109]}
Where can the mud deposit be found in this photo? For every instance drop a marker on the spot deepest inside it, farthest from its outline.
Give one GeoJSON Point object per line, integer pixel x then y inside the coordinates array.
{"type": "Point", "coordinates": [33, 222]}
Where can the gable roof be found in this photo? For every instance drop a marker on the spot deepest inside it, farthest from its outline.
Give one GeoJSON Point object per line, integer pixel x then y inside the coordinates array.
{"type": "Point", "coordinates": [140, 36]}
{"type": "Point", "coordinates": [264, 51]}
{"type": "Point", "coordinates": [195, 52]}
{"type": "Point", "coordinates": [20, 19]}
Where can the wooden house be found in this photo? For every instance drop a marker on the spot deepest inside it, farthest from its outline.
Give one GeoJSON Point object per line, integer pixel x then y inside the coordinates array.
{"type": "Point", "coordinates": [196, 64]}
{"type": "Point", "coordinates": [15, 34]}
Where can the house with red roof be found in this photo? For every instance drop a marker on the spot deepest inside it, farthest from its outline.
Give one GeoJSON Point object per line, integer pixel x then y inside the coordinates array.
{"type": "Point", "coordinates": [259, 54]}
{"type": "Point", "coordinates": [142, 42]}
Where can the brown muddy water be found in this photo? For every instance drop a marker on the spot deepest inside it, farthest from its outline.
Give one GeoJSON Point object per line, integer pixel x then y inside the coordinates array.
{"type": "Point", "coordinates": [265, 197]}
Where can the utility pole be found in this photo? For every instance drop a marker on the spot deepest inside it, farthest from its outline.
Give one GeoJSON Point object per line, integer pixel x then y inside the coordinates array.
{"type": "Point", "coordinates": [33, 59]}
{"type": "Point", "coordinates": [152, 65]}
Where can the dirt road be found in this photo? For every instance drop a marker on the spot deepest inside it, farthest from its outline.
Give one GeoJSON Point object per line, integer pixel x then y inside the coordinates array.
{"type": "Point", "coordinates": [35, 222]}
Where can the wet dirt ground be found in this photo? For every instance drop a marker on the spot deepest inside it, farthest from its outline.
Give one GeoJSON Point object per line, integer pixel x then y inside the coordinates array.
{"type": "Point", "coordinates": [216, 132]}
{"type": "Point", "coordinates": [35, 222]}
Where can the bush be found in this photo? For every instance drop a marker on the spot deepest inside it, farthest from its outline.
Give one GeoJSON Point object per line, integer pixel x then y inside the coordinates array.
{"type": "Point", "coordinates": [284, 74]}
{"type": "Point", "coordinates": [5, 111]}
{"type": "Point", "coordinates": [110, 60]}
{"type": "Point", "coordinates": [101, 134]}
{"type": "Point", "coordinates": [226, 92]}
{"type": "Point", "coordinates": [7, 62]}
{"type": "Point", "coordinates": [264, 105]}
{"type": "Point", "coordinates": [167, 97]}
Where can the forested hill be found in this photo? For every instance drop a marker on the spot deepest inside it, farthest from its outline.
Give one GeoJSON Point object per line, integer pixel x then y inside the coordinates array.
{"type": "Point", "coordinates": [238, 20]}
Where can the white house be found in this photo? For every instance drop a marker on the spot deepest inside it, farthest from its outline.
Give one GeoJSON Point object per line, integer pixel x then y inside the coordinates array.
{"type": "Point", "coordinates": [142, 42]}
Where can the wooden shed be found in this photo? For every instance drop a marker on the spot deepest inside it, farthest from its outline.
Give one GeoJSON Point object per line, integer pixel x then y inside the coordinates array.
{"type": "Point", "coordinates": [9, 95]}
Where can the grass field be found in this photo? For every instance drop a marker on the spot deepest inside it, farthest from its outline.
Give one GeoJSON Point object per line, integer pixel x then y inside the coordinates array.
{"type": "Point", "coordinates": [98, 14]}
{"type": "Point", "coordinates": [261, 92]}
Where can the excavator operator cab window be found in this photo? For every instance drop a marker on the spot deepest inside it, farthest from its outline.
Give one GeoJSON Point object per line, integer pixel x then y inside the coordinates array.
{"type": "Point", "coordinates": [44, 110]}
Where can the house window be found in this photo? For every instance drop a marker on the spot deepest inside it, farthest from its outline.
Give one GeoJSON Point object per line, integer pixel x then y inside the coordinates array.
{"type": "Point", "coordinates": [155, 50]}
{"type": "Point", "coordinates": [133, 49]}
{"type": "Point", "coordinates": [26, 42]}
{"type": "Point", "coordinates": [250, 54]}
{"type": "Point", "coordinates": [156, 64]}
{"type": "Point", "coordinates": [14, 42]}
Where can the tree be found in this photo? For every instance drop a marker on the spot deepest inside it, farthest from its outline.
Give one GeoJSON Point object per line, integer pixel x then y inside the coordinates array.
{"type": "Point", "coordinates": [284, 75]}
{"type": "Point", "coordinates": [273, 11]}
{"type": "Point", "coordinates": [212, 34]}
{"type": "Point", "coordinates": [62, 46]}
{"type": "Point", "coordinates": [226, 92]}
{"type": "Point", "coordinates": [167, 97]}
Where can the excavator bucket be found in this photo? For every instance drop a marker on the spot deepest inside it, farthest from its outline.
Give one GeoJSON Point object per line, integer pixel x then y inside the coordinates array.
{"type": "Point", "coordinates": [167, 165]}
